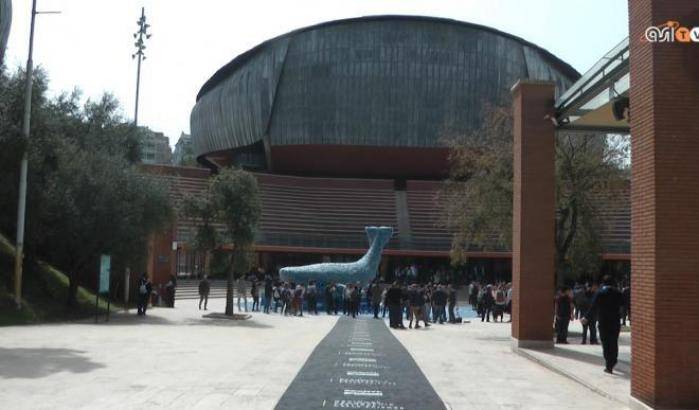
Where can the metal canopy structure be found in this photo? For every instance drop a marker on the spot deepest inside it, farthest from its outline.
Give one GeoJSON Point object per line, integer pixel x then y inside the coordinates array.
{"type": "Point", "coordinates": [5, 22]}
{"type": "Point", "coordinates": [588, 104]}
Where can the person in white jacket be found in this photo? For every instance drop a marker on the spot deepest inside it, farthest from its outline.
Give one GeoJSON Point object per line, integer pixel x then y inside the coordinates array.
{"type": "Point", "coordinates": [242, 293]}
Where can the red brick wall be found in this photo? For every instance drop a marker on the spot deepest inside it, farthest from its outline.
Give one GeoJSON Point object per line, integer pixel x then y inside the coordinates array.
{"type": "Point", "coordinates": [533, 226]}
{"type": "Point", "coordinates": [665, 208]}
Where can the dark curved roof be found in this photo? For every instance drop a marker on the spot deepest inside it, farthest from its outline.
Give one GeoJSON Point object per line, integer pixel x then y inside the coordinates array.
{"type": "Point", "coordinates": [241, 59]}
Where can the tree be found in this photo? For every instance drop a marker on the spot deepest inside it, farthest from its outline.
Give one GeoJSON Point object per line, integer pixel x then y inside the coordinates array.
{"type": "Point", "coordinates": [478, 193]}
{"type": "Point", "coordinates": [85, 196]}
{"type": "Point", "coordinates": [96, 205]}
{"type": "Point", "coordinates": [203, 213]}
{"type": "Point", "coordinates": [589, 167]}
{"type": "Point", "coordinates": [477, 197]}
{"type": "Point", "coordinates": [236, 197]}
{"type": "Point", "coordinates": [232, 199]}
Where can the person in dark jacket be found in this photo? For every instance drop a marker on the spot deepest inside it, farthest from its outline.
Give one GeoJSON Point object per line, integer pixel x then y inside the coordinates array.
{"type": "Point", "coordinates": [204, 289]}
{"type": "Point", "coordinates": [451, 302]}
{"type": "Point", "coordinates": [416, 299]}
{"type": "Point", "coordinates": [487, 302]}
{"type": "Point", "coordinates": [473, 295]}
{"type": "Point", "coordinates": [606, 305]}
{"type": "Point", "coordinates": [255, 293]}
{"type": "Point", "coordinates": [339, 297]}
{"type": "Point", "coordinates": [311, 297]}
{"type": "Point", "coordinates": [375, 298]}
{"type": "Point", "coordinates": [269, 289]}
{"type": "Point", "coordinates": [330, 299]}
{"type": "Point", "coordinates": [563, 310]}
{"type": "Point", "coordinates": [394, 300]}
{"type": "Point", "coordinates": [354, 300]}
{"type": "Point", "coordinates": [439, 297]}
{"type": "Point", "coordinates": [171, 287]}
{"type": "Point", "coordinates": [500, 303]}
{"type": "Point", "coordinates": [145, 288]}
{"type": "Point", "coordinates": [583, 305]}
{"type": "Point", "coordinates": [578, 299]}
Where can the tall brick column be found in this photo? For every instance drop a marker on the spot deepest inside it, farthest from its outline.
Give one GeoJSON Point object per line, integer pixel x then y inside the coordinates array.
{"type": "Point", "coordinates": [665, 208]}
{"type": "Point", "coordinates": [533, 225]}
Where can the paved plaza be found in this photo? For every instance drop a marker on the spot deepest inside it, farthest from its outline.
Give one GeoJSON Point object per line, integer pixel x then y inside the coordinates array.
{"type": "Point", "coordinates": [174, 358]}
{"type": "Point", "coordinates": [472, 366]}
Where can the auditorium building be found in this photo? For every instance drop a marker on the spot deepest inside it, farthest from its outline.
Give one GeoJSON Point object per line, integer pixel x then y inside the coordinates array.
{"type": "Point", "coordinates": [343, 125]}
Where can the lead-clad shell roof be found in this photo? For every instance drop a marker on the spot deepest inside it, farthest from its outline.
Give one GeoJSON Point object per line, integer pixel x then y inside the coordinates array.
{"type": "Point", "coordinates": [393, 81]}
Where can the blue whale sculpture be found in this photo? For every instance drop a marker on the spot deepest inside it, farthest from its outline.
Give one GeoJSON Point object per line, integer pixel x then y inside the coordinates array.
{"type": "Point", "coordinates": [363, 271]}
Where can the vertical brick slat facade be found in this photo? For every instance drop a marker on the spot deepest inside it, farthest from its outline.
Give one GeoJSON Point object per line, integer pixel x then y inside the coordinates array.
{"type": "Point", "coordinates": [665, 208]}
{"type": "Point", "coordinates": [533, 226]}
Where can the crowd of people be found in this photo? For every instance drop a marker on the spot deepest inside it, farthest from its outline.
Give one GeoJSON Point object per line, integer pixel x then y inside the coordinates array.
{"type": "Point", "coordinates": [162, 295]}
{"type": "Point", "coordinates": [601, 309]}
{"type": "Point", "coordinates": [429, 303]}
{"type": "Point", "coordinates": [491, 299]}
{"type": "Point", "coordinates": [579, 302]}
{"type": "Point", "coordinates": [426, 303]}
{"type": "Point", "coordinates": [416, 302]}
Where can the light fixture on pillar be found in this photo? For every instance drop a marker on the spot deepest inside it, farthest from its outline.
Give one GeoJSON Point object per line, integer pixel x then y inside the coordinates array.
{"type": "Point", "coordinates": [553, 119]}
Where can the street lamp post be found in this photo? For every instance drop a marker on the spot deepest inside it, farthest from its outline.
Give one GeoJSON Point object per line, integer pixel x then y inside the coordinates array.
{"type": "Point", "coordinates": [26, 122]}
{"type": "Point", "coordinates": [140, 46]}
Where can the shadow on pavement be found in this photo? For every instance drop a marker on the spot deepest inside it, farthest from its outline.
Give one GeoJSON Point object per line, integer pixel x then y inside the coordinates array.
{"type": "Point", "coordinates": [22, 363]}
{"type": "Point", "coordinates": [249, 323]}
{"type": "Point", "coordinates": [622, 369]}
{"type": "Point", "coordinates": [575, 337]}
{"type": "Point", "coordinates": [128, 319]}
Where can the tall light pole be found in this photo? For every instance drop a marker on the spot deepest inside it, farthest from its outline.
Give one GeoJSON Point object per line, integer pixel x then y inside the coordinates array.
{"type": "Point", "coordinates": [26, 122]}
{"type": "Point", "coordinates": [140, 46]}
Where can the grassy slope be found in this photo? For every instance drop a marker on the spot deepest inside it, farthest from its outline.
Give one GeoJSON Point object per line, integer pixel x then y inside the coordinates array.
{"type": "Point", "coordinates": [45, 294]}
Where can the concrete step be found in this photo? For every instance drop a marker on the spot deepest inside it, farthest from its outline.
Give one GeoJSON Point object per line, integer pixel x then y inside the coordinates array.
{"type": "Point", "coordinates": [189, 289]}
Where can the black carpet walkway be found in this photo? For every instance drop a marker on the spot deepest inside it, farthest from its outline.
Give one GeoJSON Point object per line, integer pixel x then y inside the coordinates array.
{"type": "Point", "coordinates": [360, 365]}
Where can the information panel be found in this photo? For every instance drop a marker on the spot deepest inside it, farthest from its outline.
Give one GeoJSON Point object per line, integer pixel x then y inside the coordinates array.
{"type": "Point", "coordinates": [105, 266]}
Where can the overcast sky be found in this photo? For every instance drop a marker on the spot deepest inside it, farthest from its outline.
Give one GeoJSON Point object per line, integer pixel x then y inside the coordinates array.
{"type": "Point", "coordinates": [89, 45]}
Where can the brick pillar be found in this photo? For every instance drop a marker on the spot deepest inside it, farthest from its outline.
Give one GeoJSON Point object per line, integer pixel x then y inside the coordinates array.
{"type": "Point", "coordinates": [665, 208]}
{"type": "Point", "coordinates": [533, 225]}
